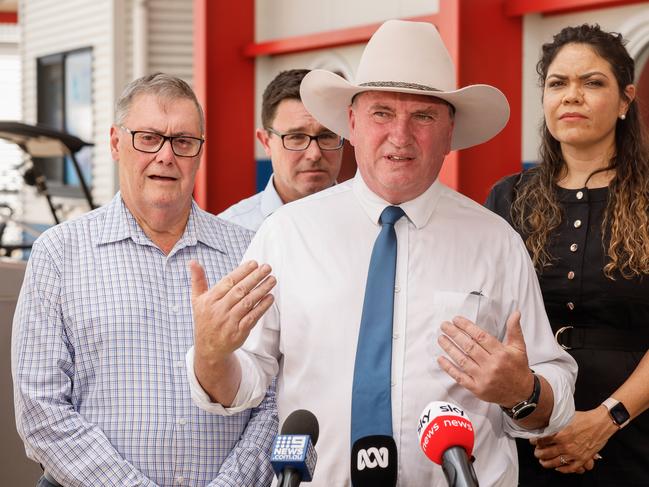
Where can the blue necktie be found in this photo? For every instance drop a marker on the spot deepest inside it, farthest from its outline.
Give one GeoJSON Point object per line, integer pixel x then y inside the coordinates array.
{"type": "Point", "coordinates": [371, 394]}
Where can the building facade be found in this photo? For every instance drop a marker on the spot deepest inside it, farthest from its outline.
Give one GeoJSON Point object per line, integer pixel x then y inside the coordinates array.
{"type": "Point", "coordinates": [77, 56]}
{"type": "Point", "coordinates": [229, 51]}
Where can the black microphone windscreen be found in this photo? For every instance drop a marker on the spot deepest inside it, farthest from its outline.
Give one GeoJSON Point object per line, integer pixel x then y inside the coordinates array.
{"type": "Point", "coordinates": [374, 462]}
{"type": "Point", "coordinates": [302, 422]}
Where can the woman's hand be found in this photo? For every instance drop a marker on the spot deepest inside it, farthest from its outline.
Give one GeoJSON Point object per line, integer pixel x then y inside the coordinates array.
{"type": "Point", "coordinates": [574, 449]}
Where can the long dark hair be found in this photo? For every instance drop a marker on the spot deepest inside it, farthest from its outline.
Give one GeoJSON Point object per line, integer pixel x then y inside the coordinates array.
{"type": "Point", "coordinates": [535, 210]}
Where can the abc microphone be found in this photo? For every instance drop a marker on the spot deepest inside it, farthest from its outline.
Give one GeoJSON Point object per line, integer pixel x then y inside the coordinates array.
{"type": "Point", "coordinates": [446, 436]}
{"type": "Point", "coordinates": [374, 461]}
{"type": "Point", "coordinates": [293, 456]}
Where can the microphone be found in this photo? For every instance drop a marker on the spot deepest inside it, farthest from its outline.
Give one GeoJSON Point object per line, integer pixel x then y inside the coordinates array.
{"type": "Point", "coordinates": [446, 436]}
{"type": "Point", "coordinates": [374, 461]}
{"type": "Point", "coordinates": [293, 456]}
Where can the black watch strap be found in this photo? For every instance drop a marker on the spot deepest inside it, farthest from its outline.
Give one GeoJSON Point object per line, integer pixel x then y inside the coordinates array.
{"type": "Point", "coordinates": [526, 407]}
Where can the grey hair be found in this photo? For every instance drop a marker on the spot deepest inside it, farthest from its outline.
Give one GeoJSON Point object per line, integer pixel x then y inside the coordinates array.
{"type": "Point", "coordinates": [159, 84]}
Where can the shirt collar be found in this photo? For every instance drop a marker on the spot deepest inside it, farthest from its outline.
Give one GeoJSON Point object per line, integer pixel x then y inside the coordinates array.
{"type": "Point", "coordinates": [418, 210]}
{"type": "Point", "coordinates": [120, 224]}
{"type": "Point", "coordinates": [270, 199]}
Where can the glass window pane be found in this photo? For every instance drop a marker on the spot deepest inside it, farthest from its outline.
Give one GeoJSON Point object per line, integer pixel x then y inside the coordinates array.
{"type": "Point", "coordinates": [78, 111]}
{"type": "Point", "coordinates": [50, 111]}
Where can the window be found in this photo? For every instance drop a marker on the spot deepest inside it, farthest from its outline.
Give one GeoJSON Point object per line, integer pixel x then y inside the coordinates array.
{"type": "Point", "coordinates": [65, 103]}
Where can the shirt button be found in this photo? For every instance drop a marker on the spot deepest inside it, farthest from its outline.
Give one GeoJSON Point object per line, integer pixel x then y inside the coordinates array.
{"type": "Point", "coordinates": [180, 364]}
{"type": "Point", "coordinates": [179, 480]}
{"type": "Point", "coordinates": [574, 247]}
{"type": "Point", "coordinates": [577, 223]}
{"type": "Point", "coordinates": [175, 308]}
{"type": "Point", "coordinates": [570, 305]}
{"type": "Point", "coordinates": [392, 383]}
{"type": "Point", "coordinates": [580, 195]}
{"type": "Point", "coordinates": [571, 275]}
{"type": "Point", "coordinates": [395, 336]}
{"type": "Point", "coordinates": [182, 421]}
{"type": "Point", "coordinates": [397, 289]}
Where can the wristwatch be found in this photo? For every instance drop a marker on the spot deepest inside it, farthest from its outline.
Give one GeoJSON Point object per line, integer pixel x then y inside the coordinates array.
{"type": "Point", "coordinates": [524, 408]}
{"type": "Point", "coordinates": [617, 412]}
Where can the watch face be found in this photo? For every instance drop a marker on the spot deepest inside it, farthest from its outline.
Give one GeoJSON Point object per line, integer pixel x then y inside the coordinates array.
{"type": "Point", "coordinates": [522, 411]}
{"type": "Point", "coordinates": [619, 413]}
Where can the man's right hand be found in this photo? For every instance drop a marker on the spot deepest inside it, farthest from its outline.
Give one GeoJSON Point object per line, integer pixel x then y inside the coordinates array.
{"type": "Point", "coordinates": [223, 318]}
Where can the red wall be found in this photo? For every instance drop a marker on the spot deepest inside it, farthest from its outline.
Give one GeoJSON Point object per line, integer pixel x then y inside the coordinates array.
{"type": "Point", "coordinates": [224, 82]}
{"type": "Point", "coordinates": [490, 51]}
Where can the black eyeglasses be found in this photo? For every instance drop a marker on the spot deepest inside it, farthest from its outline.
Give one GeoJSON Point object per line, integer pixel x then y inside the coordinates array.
{"type": "Point", "coordinates": [152, 142]}
{"type": "Point", "coordinates": [299, 142]}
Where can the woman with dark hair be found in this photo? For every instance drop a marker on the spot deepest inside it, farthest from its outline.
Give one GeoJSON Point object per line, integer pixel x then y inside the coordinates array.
{"type": "Point", "coordinates": [583, 213]}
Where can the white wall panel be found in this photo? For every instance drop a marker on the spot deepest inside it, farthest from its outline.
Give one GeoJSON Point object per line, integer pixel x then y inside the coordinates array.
{"type": "Point", "coordinates": [171, 37]}
{"type": "Point", "coordinates": [286, 18]}
{"type": "Point", "coordinates": [10, 109]}
{"type": "Point", "coordinates": [53, 27]}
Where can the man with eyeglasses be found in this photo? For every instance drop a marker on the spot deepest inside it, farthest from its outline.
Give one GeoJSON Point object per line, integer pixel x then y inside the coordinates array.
{"type": "Point", "coordinates": [305, 155]}
{"type": "Point", "coordinates": [104, 320]}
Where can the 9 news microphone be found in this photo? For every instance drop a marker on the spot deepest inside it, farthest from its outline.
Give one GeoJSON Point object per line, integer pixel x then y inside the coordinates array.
{"type": "Point", "coordinates": [293, 456]}
{"type": "Point", "coordinates": [446, 436]}
{"type": "Point", "coordinates": [374, 462]}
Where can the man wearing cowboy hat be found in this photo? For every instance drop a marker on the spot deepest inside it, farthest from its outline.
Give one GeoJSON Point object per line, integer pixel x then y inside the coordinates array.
{"type": "Point", "coordinates": [459, 280]}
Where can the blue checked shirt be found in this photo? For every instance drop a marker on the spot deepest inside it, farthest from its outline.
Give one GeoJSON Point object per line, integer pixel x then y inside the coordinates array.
{"type": "Point", "coordinates": [100, 333]}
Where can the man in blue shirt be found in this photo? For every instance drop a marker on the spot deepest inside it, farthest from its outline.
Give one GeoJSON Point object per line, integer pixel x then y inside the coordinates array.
{"type": "Point", "coordinates": [104, 319]}
{"type": "Point", "coordinates": [305, 155]}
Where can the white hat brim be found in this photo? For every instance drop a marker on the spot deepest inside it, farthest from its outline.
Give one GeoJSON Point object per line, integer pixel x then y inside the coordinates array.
{"type": "Point", "coordinates": [481, 111]}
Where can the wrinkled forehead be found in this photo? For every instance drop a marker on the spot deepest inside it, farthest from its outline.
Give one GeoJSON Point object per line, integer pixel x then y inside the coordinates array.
{"type": "Point", "coordinates": [151, 105]}
{"type": "Point", "coordinates": [387, 98]}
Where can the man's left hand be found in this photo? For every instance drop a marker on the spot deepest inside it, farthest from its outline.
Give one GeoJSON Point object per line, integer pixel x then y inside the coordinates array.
{"type": "Point", "coordinates": [495, 372]}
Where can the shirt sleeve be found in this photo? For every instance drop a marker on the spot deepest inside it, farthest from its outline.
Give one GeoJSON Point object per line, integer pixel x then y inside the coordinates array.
{"type": "Point", "coordinates": [72, 450]}
{"type": "Point", "coordinates": [249, 461]}
{"type": "Point", "coordinates": [259, 356]}
{"type": "Point", "coordinates": [545, 356]}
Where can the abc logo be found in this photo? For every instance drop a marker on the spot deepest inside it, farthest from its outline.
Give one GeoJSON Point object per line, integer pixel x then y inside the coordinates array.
{"type": "Point", "coordinates": [372, 457]}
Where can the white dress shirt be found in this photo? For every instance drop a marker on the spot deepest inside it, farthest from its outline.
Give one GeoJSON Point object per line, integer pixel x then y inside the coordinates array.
{"type": "Point", "coordinates": [448, 247]}
{"type": "Point", "coordinates": [251, 212]}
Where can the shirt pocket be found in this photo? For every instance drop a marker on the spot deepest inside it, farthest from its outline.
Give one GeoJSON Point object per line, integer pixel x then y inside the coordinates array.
{"type": "Point", "coordinates": [474, 306]}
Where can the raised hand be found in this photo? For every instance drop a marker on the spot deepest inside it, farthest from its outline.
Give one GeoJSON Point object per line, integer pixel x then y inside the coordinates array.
{"type": "Point", "coordinates": [495, 372]}
{"type": "Point", "coordinates": [223, 318]}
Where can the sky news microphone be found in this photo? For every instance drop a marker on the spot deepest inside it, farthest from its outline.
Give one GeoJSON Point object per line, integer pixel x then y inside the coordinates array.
{"type": "Point", "coordinates": [446, 436]}
{"type": "Point", "coordinates": [293, 456]}
{"type": "Point", "coordinates": [374, 462]}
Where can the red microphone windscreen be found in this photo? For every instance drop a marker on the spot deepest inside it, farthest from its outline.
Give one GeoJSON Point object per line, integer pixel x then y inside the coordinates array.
{"type": "Point", "coordinates": [443, 425]}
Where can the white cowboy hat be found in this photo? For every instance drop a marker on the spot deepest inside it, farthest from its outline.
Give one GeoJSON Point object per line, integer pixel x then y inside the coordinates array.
{"type": "Point", "coordinates": [408, 57]}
